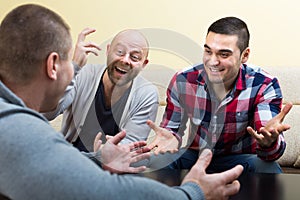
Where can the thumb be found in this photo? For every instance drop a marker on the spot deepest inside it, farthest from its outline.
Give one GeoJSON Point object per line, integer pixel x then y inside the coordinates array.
{"type": "Point", "coordinates": [97, 142]}
{"type": "Point", "coordinates": [286, 109]}
{"type": "Point", "coordinates": [152, 125]}
{"type": "Point", "coordinates": [98, 136]}
{"type": "Point", "coordinates": [204, 159]}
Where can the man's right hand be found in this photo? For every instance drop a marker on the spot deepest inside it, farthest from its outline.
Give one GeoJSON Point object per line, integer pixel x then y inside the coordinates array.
{"type": "Point", "coordinates": [82, 48]}
{"type": "Point", "coordinates": [215, 186]}
{"type": "Point", "coordinates": [164, 140]}
{"type": "Point", "coordinates": [117, 158]}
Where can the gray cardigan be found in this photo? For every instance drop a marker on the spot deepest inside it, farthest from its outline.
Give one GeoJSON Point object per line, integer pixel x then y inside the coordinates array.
{"type": "Point", "coordinates": [142, 104]}
{"type": "Point", "coordinates": [37, 163]}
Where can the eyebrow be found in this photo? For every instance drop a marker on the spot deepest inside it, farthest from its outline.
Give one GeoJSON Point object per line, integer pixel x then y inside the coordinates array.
{"type": "Point", "coordinates": [134, 50]}
{"type": "Point", "coordinates": [221, 50]}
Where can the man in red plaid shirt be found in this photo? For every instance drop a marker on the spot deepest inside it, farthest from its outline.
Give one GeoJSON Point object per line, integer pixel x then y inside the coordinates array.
{"type": "Point", "coordinates": [222, 99]}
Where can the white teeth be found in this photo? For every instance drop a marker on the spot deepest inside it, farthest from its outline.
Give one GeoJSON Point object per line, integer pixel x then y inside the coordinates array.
{"type": "Point", "coordinates": [214, 70]}
{"type": "Point", "coordinates": [122, 70]}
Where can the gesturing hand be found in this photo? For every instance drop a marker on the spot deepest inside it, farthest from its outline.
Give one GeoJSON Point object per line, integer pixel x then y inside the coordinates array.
{"type": "Point", "coordinates": [83, 48]}
{"type": "Point", "coordinates": [164, 140]}
{"type": "Point", "coordinates": [215, 186]}
{"type": "Point", "coordinates": [117, 158]}
{"type": "Point", "coordinates": [268, 134]}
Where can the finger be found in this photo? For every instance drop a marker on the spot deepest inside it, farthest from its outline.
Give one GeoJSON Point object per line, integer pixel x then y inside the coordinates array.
{"type": "Point", "coordinates": [173, 150]}
{"type": "Point", "coordinates": [153, 126]}
{"type": "Point", "coordinates": [232, 188]}
{"type": "Point", "coordinates": [286, 109]}
{"type": "Point", "coordinates": [153, 144]}
{"type": "Point", "coordinates": [84, 33]}
{"type": "Point", "coordinates": [140, 151]}
{"type": "Point", "coordinates": [91, 50]}
{"type": "Point", "coordinates": [145, 149]}
{"type": "Point", "coordinates": [159, 150]}
{"type": "Point", "coordinates": [137, 145]}
{"type": "Point", "coordinates": [137, 169]}
{"type": "Point", "coordinates": [232, 174]}
{"type": "Point", "coordinates": [204, 159]}
{"type": "Point", "coordinates": [108, 137]}
{"type": "Point", "coordinates": [93, 45]}
{"type": "Point", "coordinates": [118, 137]}
{"type": "Point", "coordinates": [283, 127]}
{"type": "Point", "coordinates": [98, 136]}
{"type": "Point", "coordinates": [267, 132]}
{"type": "Point", "coordinates": [254, 133]}
{"type": "Point", "coordinates": [139, 157]}
{"type": "Point", "coordinates": [97, 142]}
{"type": "Point", "coordinates": [97, 146]}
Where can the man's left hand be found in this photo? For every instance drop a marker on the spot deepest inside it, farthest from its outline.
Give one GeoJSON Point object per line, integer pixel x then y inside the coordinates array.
{"type": "Point", "coordinates": [268, 134]}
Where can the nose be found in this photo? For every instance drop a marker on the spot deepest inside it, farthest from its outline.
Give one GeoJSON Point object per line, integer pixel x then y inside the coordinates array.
{"type": "Point", "coordinates": [126, 59]}
{"type": "Point", "coordinates": [214, 60]}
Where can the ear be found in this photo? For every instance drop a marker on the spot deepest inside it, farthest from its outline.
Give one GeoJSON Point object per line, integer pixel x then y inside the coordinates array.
{"type": "Point", "coordinates": [245, 55]}
{"type": "Point", "coordinates": [145, 63]}
{"type": "Point", "coordinates": [52, 65]}
{"type": "Point", "coordinates": [107, 49]}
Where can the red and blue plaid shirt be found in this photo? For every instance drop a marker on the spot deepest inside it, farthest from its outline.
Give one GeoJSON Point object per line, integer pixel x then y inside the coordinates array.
{"type": "Point", "coordinates": [221, 125]}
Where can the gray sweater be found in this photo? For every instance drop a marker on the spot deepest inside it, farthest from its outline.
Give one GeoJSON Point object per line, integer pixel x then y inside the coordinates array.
{"type": "Point", "coordinates": [36, 162]}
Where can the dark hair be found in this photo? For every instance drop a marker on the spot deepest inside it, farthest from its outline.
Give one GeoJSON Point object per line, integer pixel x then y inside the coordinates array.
{"type": "Point", "coordinates": [232, 26]}
{"type": "Point", "coordinates": [28, 34]}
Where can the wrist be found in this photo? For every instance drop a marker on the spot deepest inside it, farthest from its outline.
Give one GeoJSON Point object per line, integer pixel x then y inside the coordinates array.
{"type": "Point", "coordinates": [191, 180]}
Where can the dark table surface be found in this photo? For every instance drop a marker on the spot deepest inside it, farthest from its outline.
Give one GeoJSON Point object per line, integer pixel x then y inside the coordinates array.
{"type": "Point", "coordinates": [253, 186]}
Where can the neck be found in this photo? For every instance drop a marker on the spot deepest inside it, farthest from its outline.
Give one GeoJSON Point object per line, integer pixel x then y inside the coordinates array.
{"type": "Point", "coordinates": [221, 90]}
{"type": "Point", "coordinates": [31, 95]}
{"type": "Point", "coordinates": [112, 91]}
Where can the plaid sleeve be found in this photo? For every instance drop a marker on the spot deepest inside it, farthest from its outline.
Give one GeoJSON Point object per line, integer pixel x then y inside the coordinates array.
{"type": "Point", "coordinates": [268, 106]}
{"type": "Point", "coordinates": [173, 112]}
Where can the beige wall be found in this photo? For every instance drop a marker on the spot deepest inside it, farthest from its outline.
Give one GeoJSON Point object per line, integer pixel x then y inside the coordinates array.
{"type": "Point", "coordinates": [274, 25]}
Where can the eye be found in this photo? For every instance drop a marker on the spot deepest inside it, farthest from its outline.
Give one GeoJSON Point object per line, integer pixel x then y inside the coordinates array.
{"type": "Point", "coordinates": [224, 55]}
{"type": "Point", "coordinates": [135, 57]}
{"type": "Point", "coordinates": [207, 51]}
{"type": "Point", "coordinates": [119, 52]}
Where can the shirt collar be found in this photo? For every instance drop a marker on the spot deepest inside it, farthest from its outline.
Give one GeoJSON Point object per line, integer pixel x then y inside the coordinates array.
{"type": "Point", "coordinates": [241, 80]}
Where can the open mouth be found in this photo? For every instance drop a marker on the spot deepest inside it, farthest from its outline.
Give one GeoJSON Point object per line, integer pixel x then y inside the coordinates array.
{"type": "Point", "coordinates": [121, 71]}
{"type": "Point", "coordinates": [215, 70]}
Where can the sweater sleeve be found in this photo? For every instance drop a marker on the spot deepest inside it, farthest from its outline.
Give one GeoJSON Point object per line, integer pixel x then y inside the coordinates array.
{"type": "Point", "coordinates": [37, 163]}
{"type": "Point", "coordinates": [94, 156]}
{"type": "Point", "coordinates": [269, 102]}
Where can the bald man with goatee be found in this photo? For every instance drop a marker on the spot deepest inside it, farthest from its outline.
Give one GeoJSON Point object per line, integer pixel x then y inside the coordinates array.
{"type": "Point", "coordinates": [108, 98]}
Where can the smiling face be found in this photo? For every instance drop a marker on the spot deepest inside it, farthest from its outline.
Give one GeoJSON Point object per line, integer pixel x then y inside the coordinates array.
{"type": "Point", "coordinates": [126, 57]}
{"type": "Point", "coordinates": [222, 58]}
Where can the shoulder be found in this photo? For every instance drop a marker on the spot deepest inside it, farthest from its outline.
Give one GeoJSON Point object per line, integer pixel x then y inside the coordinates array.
{"type": "Point", "coordinates": [90, 72]}
{"type": "Point", "coordinates": [93, 68]}
{"type": "Point", "coordinates": [22, 126]}
{"type": "Point", "coordinates": [192, 74]}
{"type": "Point", "coordinates": [257, 74]}
{"type": "Point", "coordinates": [253, 70]}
